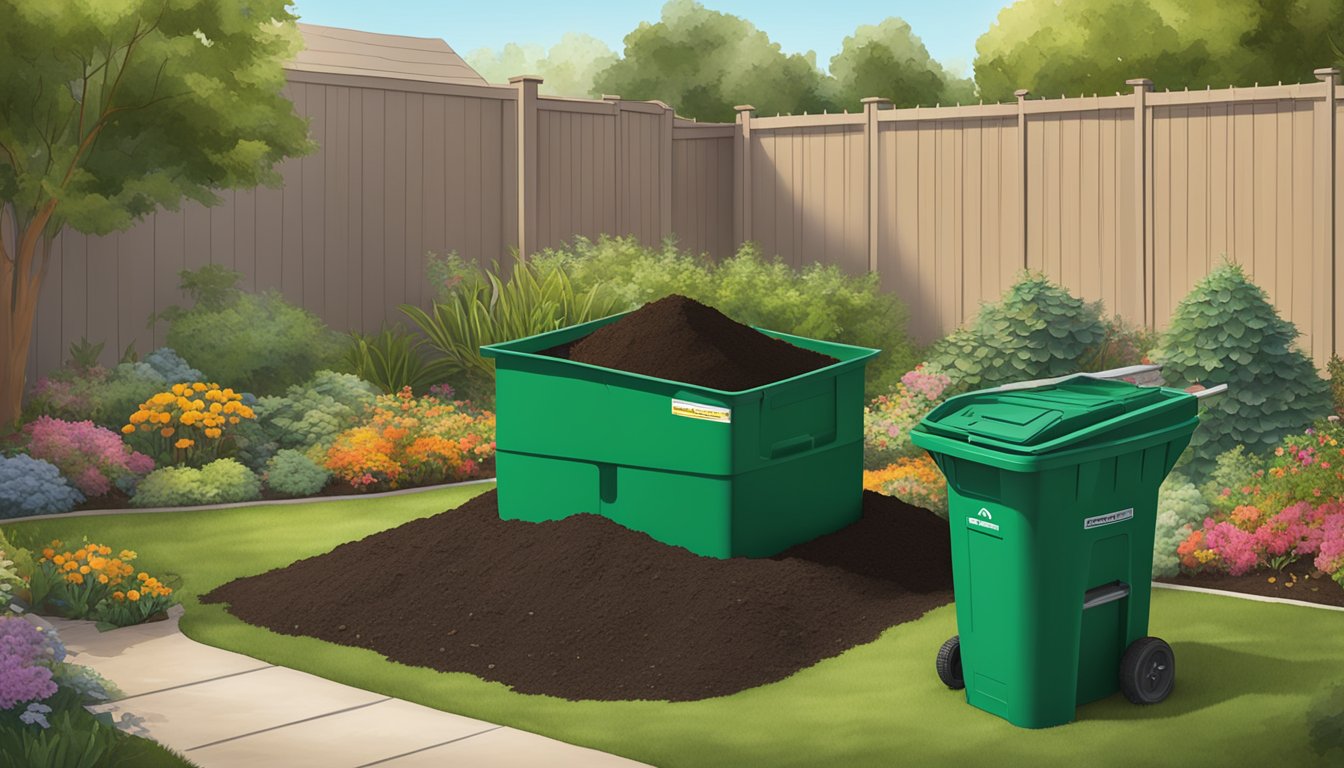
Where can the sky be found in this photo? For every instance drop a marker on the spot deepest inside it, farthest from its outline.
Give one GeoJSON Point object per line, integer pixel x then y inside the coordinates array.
{"type": "Point", "coordinates": [948, 28]}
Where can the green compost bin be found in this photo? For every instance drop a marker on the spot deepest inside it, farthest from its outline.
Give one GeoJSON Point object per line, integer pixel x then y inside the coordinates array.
{"type": "Point", "coordinates": [723, 474]}
{"type": "Point", "coordinates": [1052, 501]}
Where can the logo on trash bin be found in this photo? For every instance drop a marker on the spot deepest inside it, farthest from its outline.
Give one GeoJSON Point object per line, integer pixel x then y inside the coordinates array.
{"type": "Point", "coordinates": [1107, 519]}
{"type": "Point", "coordinates": [985, 513]}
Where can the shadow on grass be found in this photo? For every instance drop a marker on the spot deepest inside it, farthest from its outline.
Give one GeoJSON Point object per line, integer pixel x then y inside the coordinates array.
{"type": "Point", "coordinates": [1208, 675]}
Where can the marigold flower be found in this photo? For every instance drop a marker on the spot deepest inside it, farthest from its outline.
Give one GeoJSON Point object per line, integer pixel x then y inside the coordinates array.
{"type": "Point", "coordinates": [118, 595]}
{"type": "Point", "coordinates": [84, 569]}
{"type": "Point", "coordinates": [233, 419]}
{"type": "Point", "coordinates": [48, 553]}
{"type": "Point", "coordinates": [166, 431]}
{"type": "Point", "coordinates": [184, 443]}
{"type": "Point", "coordinates": [59, 560]}
{"type": "Point", "coordinates": [128, 429]}
{"type": "Point", "coordinates": [71, 565]}
{"type": "Point", "coordinates": [198, 386]}
{"type": "Point", "coordinates": [213, 432]}
{"type": "Point", "coordinates": [133, 595]}
{"type": "Point", "coordinates": [127, 554]}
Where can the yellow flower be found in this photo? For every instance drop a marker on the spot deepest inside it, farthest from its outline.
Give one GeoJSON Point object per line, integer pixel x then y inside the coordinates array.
{"type": "Point", "coordinates": [102, 578]}
{"type": "Point", "coordinates": [184, 443]}
{"type": "Point", "coordinates": [233, 419]}
{"type": "Point", "coordinates": [245, 412]}
{"type": "Point", "coordinates": [142, 576]}
{"type": "Point", "coordinates": [84, 569]}
{"type": "Point", "coordinates": [216, 407]}
{"type": "Point", "coordinates": [164, 418]}
{"type": "Point", "coordinates": [133, 595]}
{"type": "Point", "coordinates": [127, 554]}
{"type": "Point", "coordinates": [228, 392]}
{"type": "Point", "coordinates": [198, 386]}
{"type": "Point", "coordinates": [178, 389]}
{"type": "Point", "coordinates": [128, 429]}
{"type": "Point", "coordinates": [166, 431]}
{"type": "Point", "coordinates": [163, 398]}
{"type": "Point", "coordinates": [118, 595]}
{"type": "Point", "coordinates": [182, 403]}
{"type": "Point", "coordinates": [59, 559]}
{"type": "Point", "coordinates": [188, 418]}
{"type": "Point", "coordinates": [213, 432]}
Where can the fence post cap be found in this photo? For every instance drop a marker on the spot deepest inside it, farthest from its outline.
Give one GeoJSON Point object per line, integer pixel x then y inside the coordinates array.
{"type": "Point", "coordinates": [875, 100]}
{"type": "Point", "coordinates": [1021, 93]}
{"type": "Point", "coordinates": [525, 79]}
{"type": "Point", "coordinates": [1140, 83]}
{"type": "Point", "coordinates": [611, 97]}
{"type": "Point", "coordinates": [1327, 73]}
{"type": "Point", "coordinates": [744, 108]}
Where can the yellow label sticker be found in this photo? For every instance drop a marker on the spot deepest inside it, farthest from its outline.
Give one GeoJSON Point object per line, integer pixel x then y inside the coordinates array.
{"type": "Point", "coordinates": [701, 411]}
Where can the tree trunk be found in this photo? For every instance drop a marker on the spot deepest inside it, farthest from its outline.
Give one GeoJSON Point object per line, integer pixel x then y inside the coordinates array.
{"type": "Point", "coordinates": [20, 284]}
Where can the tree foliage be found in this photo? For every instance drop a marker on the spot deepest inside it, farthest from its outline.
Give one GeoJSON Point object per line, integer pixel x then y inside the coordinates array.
{"type": "Point", "coordinates": [890, 61]}
{"type": "Point", "coordinates": [1073, 47]}
{"type": "Point", "coordinates": [704, 62]}
{"type": "Point", "coordinates": [567, 69]}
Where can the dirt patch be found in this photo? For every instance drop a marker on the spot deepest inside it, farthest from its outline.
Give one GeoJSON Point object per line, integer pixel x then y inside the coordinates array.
{"type": "Point", "coordinates": [583, 608]}
{"type": "Point", "coordinates": [1299, 581]}
{"type": "Point", "coordinates": [680, 339]}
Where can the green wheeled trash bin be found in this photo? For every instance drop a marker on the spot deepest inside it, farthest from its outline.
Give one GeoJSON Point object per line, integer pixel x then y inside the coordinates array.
{"type": "Point", "coordinates": [1052, 501]}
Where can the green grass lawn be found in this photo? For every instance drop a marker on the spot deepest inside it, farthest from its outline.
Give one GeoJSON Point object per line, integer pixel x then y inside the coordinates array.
{"type": "Point", "coordinates": [1247, 674]}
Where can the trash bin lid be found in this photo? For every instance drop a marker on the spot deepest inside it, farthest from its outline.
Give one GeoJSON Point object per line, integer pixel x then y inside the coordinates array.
{"type": "Point", "coordinates": [1053, 416]}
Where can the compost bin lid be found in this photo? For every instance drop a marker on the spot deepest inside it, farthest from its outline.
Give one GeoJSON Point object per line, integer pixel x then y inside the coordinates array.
{"type": "Point", "coordinates": [1032, 420]}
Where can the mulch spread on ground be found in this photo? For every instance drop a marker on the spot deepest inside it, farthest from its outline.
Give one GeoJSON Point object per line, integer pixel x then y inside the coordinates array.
{"type": "Point", "coordinates": [583, 608]}
{"type": "Point", "coordinates": [1298, 581]}
{"type": "Point", "coordinates": [680, 339]}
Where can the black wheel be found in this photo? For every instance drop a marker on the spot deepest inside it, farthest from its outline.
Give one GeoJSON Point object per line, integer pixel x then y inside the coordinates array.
{"type": "Point", "coordinates": [1148, 671]}
{"type": "Point", "coordinates": [949, 664]}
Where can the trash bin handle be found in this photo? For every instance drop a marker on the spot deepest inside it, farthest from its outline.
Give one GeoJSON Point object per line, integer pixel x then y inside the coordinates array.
{"type": "Point", "coordinates": [1073, 437]}
{"type": "Point", "coordinates": [1114, 373]}
{"type": "Point", "coordinates": [1218, 390]}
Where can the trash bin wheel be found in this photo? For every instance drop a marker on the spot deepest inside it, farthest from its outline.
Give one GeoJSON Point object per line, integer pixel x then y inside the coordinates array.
{"type": "Point", "coordinates": [949, 664]}
{"type": "Point", "coordinates": [1148, 671]}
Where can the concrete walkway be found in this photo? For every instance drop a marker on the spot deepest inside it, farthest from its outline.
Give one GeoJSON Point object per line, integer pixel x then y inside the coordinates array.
{"type": "Point", "coordinates": [223, 709]}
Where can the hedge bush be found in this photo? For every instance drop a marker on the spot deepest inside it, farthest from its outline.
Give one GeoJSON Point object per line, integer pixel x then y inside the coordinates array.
{"type": "Point", "coordinates": [221, 481]}
{"type": "Point", "coordinates": [1037, 330]}
{"type": "Point", "coordinates": [1226, 331]}
{"type": "Point", "coordinates": [293, 474]}
{"type": "Point", "coordinates": [1180, 510]}
{"type": "Point", "coordinates": [31, 486]}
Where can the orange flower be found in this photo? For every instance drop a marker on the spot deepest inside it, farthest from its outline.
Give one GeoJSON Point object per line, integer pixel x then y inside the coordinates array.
{"type": "Point", "coordinates": [166, 431]}
{"type": "Point", "coordinates": [184, 443]}
{"type": "Point", "coordinates": [128, 429]}
{"type": "Point", "coordinates": [133, 595]}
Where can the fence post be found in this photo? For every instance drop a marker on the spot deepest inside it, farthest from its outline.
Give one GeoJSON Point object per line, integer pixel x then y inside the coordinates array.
{"type": "Point", "coordinates": [527, 162]}
{"type": "Point", "coordinates": [1327, 291]}
{"type": "Point", "coordinates": [615, 101]}
{"type": "Point", "coordinates": [1021, 95]}
{"type": "Point", "coordinates": [665, 166]}
{"type": "Point", "coordinates": [873, 169]}
{"type": "Point", "coordinates": [1142, 271]}
{"type": "Point", "coordinates": [742, 176]}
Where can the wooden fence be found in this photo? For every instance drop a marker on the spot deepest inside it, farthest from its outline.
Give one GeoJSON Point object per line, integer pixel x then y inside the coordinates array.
{"type": "Point", "coordinates": [1128, 199]}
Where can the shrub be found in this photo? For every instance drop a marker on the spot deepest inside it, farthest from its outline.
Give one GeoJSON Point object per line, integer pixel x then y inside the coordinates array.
{"type": "Point", "coordinates": [25, 664]}
{"type": "Point", "coordinates": [1251, 538]}
{"type": "Point", "coordinates": [1305, 467]}
{"type": "Point", "coordinates": [99, 395]}
{"type": "Point", "coordinates": [534, 299]}
{"type": "Point", "coordinates": [220, 482]}
{"type": "Point", "coordinates": [1180, 509]}
{"type": "Point", "coordinates": [171, 367]}
{"type": "Point", "coordinates": [391, 360]}
{"type": "Point", "coordinates": [1225, 331]}
{"type": "Point", "coordinates": [31, 486]}
{"type": "Point", "coordinates": [1336, 370]}
{"type": "Point", "coordinates": [1235, 480]}
{"type": "Point", "coordinates": [189, 424]}
{"type": "Point", "coordinates": [313, 413]}
{"type": "Point", "coordinates": [91, 458]}
{"type": "Point", "coordinates": [816, 301]}
{"type": "Point", "coordinates": [294, 474]}
{"type": "Point", "coordinates": [887, 419]}
{"type": "Point", "coordinates": [259, 343]}
{"type": "Point", "coordinates": [410, 440]}
{"type": "Point", "coordinates": [916, 481]}
{"type": "Point", "coordinates": [1036, 330]}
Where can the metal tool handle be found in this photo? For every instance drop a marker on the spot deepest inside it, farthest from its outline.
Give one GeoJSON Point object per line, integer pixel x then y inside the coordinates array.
{"type": "Point", "coordinates": [1114, 373]}
{"type": "Point", "coordinates": [1203, 393]}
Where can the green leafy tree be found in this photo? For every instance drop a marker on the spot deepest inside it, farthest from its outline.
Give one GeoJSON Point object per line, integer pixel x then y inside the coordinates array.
{"type": "Point", "coordinates": [704, 62]}
{"type": "Point", "coordinates": [109, 110]}
{"type": "Point", "coordinates": [1226, 331]}
{"type": "Point", "coordinates": [888, 60]}
{"type": "Point", "coordinates": [1073, 47]}
{"type": "Point", "coordinates": [567, 69]}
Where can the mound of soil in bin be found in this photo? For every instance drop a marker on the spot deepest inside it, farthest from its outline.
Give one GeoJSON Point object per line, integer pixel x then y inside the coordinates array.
{"type": "Point", "coordinates": [680, 339]}
{"type": "Point", "coordinates": [583, 608]}
{"type": "Point", "coordinates": [1298, 581]}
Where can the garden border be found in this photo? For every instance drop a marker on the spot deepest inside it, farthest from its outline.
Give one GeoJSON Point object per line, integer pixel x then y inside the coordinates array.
{"type": "Point", "coordinates": [1246, 596]}
{"type": "Point", "coordinates": [235, 505]}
